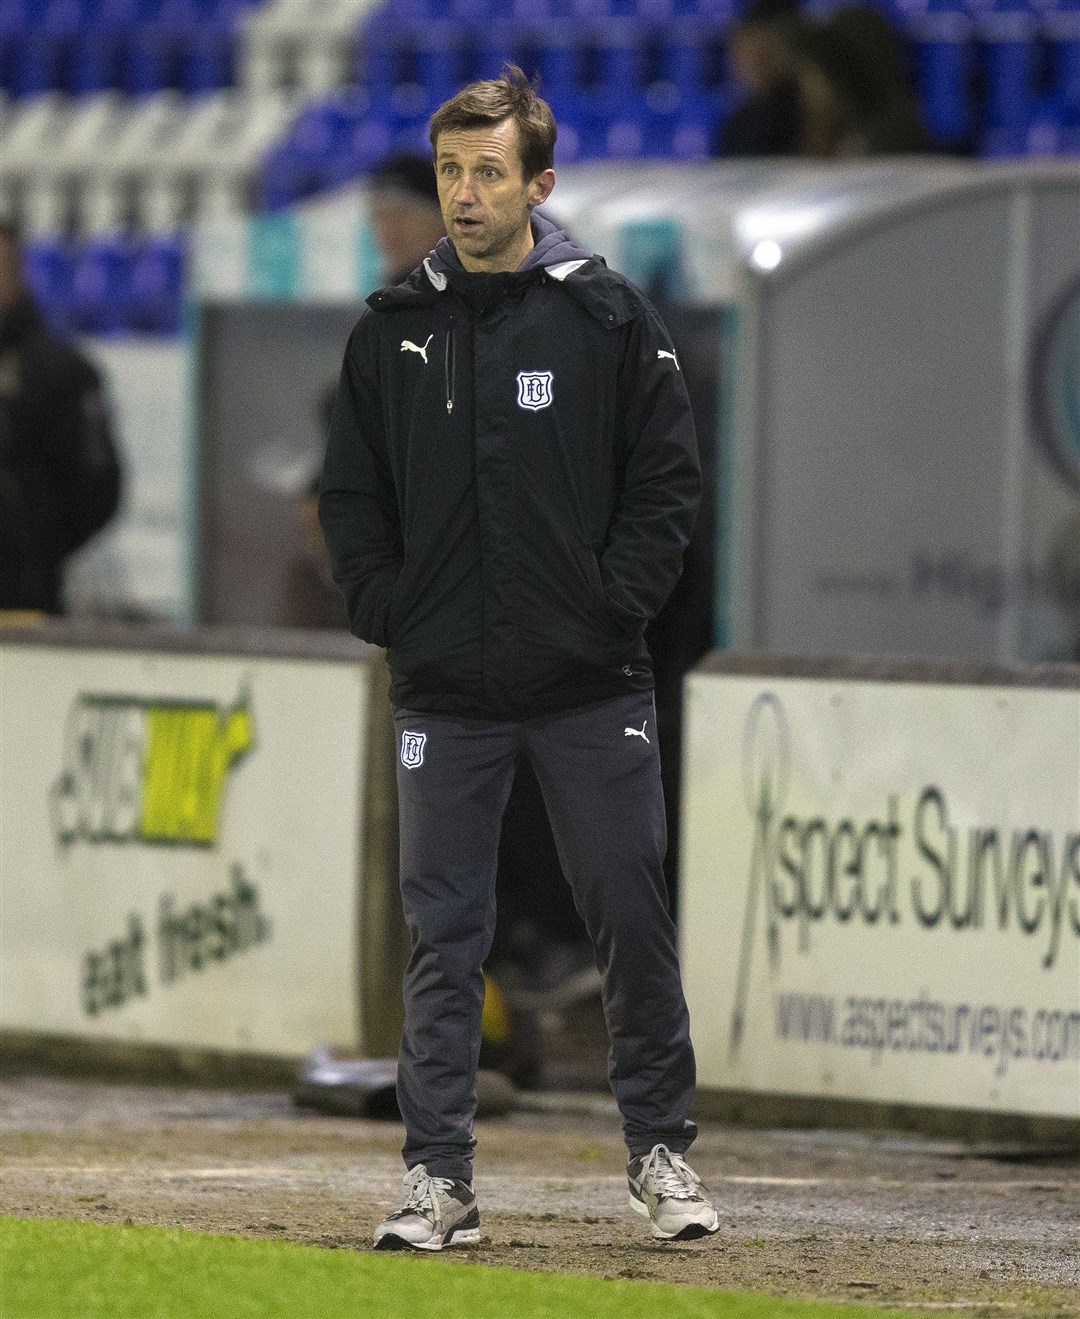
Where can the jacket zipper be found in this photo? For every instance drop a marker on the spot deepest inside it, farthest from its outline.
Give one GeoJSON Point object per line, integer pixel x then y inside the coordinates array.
{"type": "Point", "coordinates": [449, 364]}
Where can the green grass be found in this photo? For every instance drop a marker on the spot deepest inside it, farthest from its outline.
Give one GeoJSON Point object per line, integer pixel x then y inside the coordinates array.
{"type": "Point", "coordinates": [56, 1270]}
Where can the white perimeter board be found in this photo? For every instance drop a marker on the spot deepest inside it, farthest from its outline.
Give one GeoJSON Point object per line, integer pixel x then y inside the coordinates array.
{"type": "Point", "coordinates": [881, 891]}
{"type": "Point", "coordinates": [180, 847]}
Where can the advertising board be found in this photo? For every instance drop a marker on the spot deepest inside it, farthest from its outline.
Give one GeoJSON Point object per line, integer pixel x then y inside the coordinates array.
{"type": "Point", "coordinates": [180, 844]}
{"type": "Point", "coordinates": [880, 891]}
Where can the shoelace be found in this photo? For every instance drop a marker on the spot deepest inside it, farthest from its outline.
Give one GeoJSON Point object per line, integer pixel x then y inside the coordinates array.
{"type": "Point", "coordinates": [672, 1176]}
{"type": "Point", "coordinates": [422, 1191]}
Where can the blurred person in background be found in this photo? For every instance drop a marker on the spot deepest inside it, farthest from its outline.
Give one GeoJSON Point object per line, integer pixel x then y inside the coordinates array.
{"type": "Point", "coordinates": [855, 91]}
{"type": "Point", "coordinates": [767, 121]}
{"type": "Point", "coordinates": [60, 473]}
{"type": "Point", "coordinates": [404, 207]}
{"type": "Point", "coordinates": [542, 538]}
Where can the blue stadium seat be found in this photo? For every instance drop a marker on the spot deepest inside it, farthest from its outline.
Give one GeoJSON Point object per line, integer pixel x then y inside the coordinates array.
{"type": "Point", "coordinates": [207, 60]}
{"type": "Point", "coordinates": [228, 13]}
{"type": "Point", "coordinates": [95, 60]}
{"type": "Point", "coordinates": [472, 11]}
{"type": "Point", "coordinates": [598, 113]}
{"type": "Point", "coordinates": [718, 11]}
{"type": "Point", "coordinates": [13, 22]}
{"type": "Point", "coordinates": [287, 177]}
{"type": "Point", "coordinates": [149, 59]}
{"type": "Point", "coordinates": [683, 55]}
{"type": "Point", "coordinates": [679, 124]}
{"type": "Point", "coordinates": [569, 144]}
{"type": "Point", "coordinates": [39, 62]}
{"type": "Point", "coordinates": [619, 47]}
{"type": "Point", "coordinates": [178, 15]}
{"type": "Point", "coordinates": [496, 43]}
{"type": "Point", "coordinates": [63, 16]}
{"type": "Point", "coordinates": [412, 12]}
{"type": "Point", "coordinates": [378, 53]}
{"type": "Point", "coordinates": [410, 110]}
{"type": "Point", "coordinates": [1007, 33]}
{"type": "Point", "coordinates": [624, 131]}
{"type": "Point", "coordinates": [438, 65]}
{"type": "Point", "coordinates": [371, 140]}
{"type": "Point", "coordinates": [664, 11]}
{"type": "Point", "coordinates": [1054, 128]}
{"type": "Point", "coordinates": [119, 15]}
{"type": "Point", "coordinates": [102, 286]}
{"type": "Point", "coordinates": [585, 11]}
{"type": "Point", "coordinates": [332, 141]}
{"type": "Point", "coordinates": [49, 268]}
{"type": "Point", "coordinates": [556, 53]}
{"type": "Point", "coordinates": [944, 63]}
{"type": "Point", "coordinates": [1062, 26]}
{"type": "Point", "coordinates": [156, 287]}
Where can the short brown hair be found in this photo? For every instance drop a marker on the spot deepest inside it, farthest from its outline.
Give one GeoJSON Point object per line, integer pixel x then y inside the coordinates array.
{"type": "Point", "coordinates": [511, 96]}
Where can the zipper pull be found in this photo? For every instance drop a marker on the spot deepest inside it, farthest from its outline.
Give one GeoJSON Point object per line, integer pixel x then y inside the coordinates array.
{"type": "Point", "coordinates": [449, 364]}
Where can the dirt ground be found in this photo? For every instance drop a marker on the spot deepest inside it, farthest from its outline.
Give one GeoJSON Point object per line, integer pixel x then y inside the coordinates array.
{"type": "Point", "coordinates": [893, 1221]}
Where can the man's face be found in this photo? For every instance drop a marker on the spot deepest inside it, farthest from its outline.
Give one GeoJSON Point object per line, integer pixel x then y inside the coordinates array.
{"type": "Point", "coordinates": [485, 198]}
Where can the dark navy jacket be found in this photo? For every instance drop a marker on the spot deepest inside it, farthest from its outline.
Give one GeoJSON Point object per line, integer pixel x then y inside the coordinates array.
{"type": "Point", "coordinates": [60, 470]}
{"type": "Point", "coordinates": [511, 479]}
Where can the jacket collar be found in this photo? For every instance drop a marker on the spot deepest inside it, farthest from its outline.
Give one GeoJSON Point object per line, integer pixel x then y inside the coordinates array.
{"type": "Point", "coordinates": [555, 255]}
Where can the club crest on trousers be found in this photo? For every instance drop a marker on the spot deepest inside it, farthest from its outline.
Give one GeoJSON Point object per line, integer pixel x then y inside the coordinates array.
{"type": "Point", "coordinates": [535, 390]}
{"type": "Point", "coordinates": [412, 749]}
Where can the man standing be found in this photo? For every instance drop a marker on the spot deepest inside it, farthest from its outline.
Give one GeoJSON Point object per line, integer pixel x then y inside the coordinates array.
{"type": "Point", "coordinates": [510, 481]}
{"type": "Point", "coordinates": [60, 473]}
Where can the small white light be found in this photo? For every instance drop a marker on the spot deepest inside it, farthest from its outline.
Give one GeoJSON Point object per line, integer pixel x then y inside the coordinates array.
{"type": "Point", "coordinates": [766, 254]}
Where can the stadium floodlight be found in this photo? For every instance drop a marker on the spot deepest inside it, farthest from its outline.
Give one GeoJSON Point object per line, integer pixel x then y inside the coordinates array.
{"type": "Point", "coordinates": [766, 254]}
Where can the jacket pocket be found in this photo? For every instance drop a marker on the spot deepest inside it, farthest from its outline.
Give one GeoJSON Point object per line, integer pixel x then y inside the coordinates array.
{"type": "Point", "coordinates": [623, 625]}
{"type": "Point", "coordinates": [597, 582]}
{"type": "Point", "coordinates": [395, 608]}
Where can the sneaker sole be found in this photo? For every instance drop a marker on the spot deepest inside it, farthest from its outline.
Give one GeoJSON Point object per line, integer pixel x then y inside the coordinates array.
{"type": "Point", "coordinates": [691, 1232]}
{"type": "Point", "coordinates": [467, 1236]}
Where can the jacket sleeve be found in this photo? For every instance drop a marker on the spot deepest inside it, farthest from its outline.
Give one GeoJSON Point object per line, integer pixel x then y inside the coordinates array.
{"type": "Point", "coordinates": [90, 485]}
{"type": "Point", "coordinates": [661, 478]}
{"type": "Point", "coordinates": [358, 506]}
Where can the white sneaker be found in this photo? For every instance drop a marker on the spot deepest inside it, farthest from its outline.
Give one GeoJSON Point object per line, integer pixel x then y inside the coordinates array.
{"type": "Point", "coordinates": [437, 1212]}
{"type": "Point", "coordinates": [665, 1189]}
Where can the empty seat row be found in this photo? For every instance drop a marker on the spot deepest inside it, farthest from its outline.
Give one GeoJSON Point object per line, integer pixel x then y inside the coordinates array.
{"type": "Point", "coordinates": [969, 87]}
{"type": "Point", "coordinates": [114, 15]}
{"type": "Point", "coordinates": [953, 58]}
{"type": "Point", "coordinates": [137, 46]}
{"type": "Point", "coordinates": [567, 56]}
{"type": "Point", "coordinates": [110, 285]}
{"type": "Point", "coordinates": [662, 11]}
{"type": "Point", "coordinates": [344, 136]}
{"type": "Point", "coordinates": [138, 61]}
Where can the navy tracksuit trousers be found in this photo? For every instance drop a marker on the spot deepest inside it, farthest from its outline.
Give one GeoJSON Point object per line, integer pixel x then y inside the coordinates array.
{"type": "Point", "coordinates": [599, 770]}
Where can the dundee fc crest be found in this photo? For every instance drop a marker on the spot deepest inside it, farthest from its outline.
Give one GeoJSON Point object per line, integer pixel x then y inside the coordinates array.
{"type": "Point", "coordinates": [534, 390]}
{"type": "Point", "coordinates": [412, 749]}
